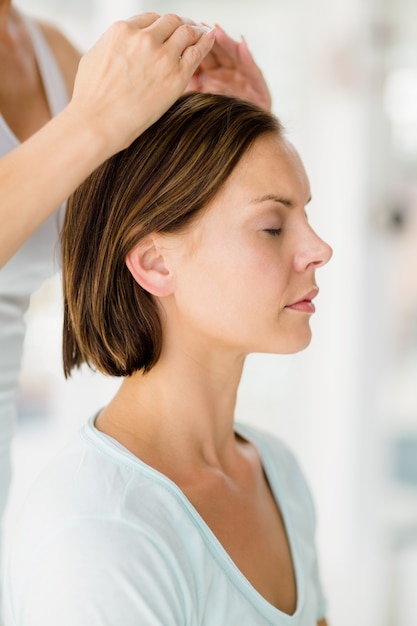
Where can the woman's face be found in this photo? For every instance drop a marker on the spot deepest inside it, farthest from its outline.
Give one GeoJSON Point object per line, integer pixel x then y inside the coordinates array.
{"type": "Point", "coordinates": [244, 272]}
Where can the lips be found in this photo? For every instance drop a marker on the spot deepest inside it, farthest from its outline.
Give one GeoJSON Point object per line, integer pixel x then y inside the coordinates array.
{"type": "Point", "coordinates": [305, 304]}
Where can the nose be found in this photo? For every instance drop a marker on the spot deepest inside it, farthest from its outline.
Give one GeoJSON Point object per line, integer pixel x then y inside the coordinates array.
{"type": "Point", "coordinates": [313, 253]}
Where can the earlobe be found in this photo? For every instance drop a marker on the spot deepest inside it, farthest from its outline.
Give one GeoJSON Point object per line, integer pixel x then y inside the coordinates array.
{"type": "Point", "coordinates": [147, 265]}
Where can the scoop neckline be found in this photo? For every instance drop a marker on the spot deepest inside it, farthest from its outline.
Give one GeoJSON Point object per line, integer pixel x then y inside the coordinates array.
{"type": "Point", "coordinates": [109, 446]}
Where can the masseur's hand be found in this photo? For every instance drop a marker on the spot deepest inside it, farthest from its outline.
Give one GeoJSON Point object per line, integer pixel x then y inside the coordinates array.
{"type": "Point", "coordinates": [135, 71]}
{"type": "Point", "coordinates": [230, 69]}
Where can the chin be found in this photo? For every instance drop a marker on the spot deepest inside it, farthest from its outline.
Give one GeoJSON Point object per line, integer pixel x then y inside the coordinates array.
{"type": "Point", "coordinates": [303, 344]}
{"type": "Point", "coordinates": [291, 346]}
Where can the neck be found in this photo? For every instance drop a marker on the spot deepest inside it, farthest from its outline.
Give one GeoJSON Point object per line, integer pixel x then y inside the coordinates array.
{"type": "Point", "coordinates": [184, 409]}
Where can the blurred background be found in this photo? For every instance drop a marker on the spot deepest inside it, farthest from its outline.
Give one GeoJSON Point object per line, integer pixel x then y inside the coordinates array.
{"type": "Point", "coordinates": [343, 75]}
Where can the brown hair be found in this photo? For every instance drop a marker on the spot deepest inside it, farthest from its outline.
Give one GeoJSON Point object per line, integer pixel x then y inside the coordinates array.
{"type": "Point", "coordinates": [158, 184]}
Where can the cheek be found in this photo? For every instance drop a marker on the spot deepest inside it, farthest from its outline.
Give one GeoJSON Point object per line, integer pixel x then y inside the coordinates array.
{"type": "Point", "coordinates": [232, 275]}
{"type": "Point", "coordinates": [269, 274]}
{"type": "Point", "coordinates": [213, 294]}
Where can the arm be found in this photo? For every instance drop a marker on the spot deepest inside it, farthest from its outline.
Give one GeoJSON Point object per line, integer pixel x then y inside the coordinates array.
{"type": "Point", "coordinates": [230, 69]}
{"type": "Point", "coordinates": [124, 83]}
{"type": "Point", "coordinates": [322, 622]}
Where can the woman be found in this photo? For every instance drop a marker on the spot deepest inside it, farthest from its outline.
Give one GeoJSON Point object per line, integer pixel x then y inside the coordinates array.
{"type": "Point", "coordinates": [177, 264]}
{"type": "Point", "coordinates": [49, 145]}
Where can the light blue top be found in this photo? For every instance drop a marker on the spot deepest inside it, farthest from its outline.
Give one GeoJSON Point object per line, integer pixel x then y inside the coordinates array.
{"type": "Point", "coordinates": [106, 540]}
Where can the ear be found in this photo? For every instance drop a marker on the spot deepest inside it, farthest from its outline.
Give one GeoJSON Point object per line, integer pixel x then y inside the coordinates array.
{"type": "Point", "coordinates": [147, 265]}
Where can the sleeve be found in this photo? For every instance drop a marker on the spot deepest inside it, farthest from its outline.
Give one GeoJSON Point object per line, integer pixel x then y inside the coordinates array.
{"type": "Point", "coordinates": [103, 573]}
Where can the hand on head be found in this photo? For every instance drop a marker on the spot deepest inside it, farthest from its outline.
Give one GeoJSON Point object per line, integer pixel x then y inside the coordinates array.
{"type": "Point", "coordinates": [135, 71]}
{"type": "Point", "coordinates": [140, 66]}
{"type": "Point", "coordinates": [230, 70]}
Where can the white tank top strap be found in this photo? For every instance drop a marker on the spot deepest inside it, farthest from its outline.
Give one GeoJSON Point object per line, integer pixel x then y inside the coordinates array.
{"type": "Point", "coordinates": [8, 139]}
{"type": "Point", "coordinates": [53, 82]}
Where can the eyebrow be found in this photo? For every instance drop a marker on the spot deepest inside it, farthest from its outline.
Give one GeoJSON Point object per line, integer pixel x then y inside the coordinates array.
{"type": "Point", "coordinates": [281, 200]}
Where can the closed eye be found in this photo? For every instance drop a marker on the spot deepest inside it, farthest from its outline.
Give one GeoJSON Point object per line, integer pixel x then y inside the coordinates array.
{"type": "Point", "coordinates": [273, 231]}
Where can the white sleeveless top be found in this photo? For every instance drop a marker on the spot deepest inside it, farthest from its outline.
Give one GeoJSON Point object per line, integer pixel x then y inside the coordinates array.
{"type": "Point", "coordinates": [37, 260]}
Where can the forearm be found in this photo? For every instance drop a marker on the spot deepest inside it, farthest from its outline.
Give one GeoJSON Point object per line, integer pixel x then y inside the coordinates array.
{"type": "Point", "coordinates": [41, 173]}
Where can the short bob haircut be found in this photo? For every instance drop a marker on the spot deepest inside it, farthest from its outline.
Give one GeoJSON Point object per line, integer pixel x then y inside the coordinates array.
{"type": "Point", "coordinates": [158, 184]}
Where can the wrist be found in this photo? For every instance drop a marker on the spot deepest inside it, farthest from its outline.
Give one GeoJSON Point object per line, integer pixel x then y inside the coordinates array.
{"type": "Point", "coordinates": [77, 127]}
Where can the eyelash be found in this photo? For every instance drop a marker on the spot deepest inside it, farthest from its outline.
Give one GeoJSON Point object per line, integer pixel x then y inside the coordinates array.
{"type": "Point", "coordinates": [274, 232]}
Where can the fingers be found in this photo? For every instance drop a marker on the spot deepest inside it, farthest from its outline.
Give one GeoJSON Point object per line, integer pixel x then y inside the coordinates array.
{"type": "Point", "coordinates": [226, 49]}
{"type": "Point", "coordinates": [166, 25]}
{"type": "Point", "coordinates": [230, 69]}
{"type": "Point", "coordinates": [144, 20]}
{"type": "Point", "coordinates": [185, 40]}
{"type": "Point", "coordinates": [194, 54]}
{"type": "Point", "coordinates": [189, 35]}
{"type": "Point", "coordinates": [245, 56]}
{"type": "Point", "coordinates": [194, 83]}
{"type": "Point", "coordinates": [225, 52]}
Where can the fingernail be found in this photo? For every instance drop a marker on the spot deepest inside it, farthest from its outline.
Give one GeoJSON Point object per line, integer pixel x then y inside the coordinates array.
{"type": "Point", "coordinates": [206, 28]}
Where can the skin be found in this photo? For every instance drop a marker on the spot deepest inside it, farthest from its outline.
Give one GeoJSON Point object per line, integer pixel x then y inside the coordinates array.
{"type": "Point", "coordinates": [226, 287]}
{"type": "Point", "coordinates": [136, 70]}
{"type": "Point", "coordinates": [23, 102]}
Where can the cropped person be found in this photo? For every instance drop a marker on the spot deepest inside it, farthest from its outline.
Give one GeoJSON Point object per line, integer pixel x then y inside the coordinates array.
{"type": "Point", "coordinates": [177, 263]}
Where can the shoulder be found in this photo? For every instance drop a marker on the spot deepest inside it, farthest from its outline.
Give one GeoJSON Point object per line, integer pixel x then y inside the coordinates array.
{"type": "Point", "coordinates": [99, 494]}
{"type": "Point", "coordinates": [65, 53]}
{"type": "Point", "coordinates": [102, 518]}
{"type": "Point", "coordinates": [95, 566]}
{"type": "Point", "coordinates": [92, 478]}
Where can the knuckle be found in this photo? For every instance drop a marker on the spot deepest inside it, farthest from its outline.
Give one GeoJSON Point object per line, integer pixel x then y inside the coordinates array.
{"type": "Point", "coordinates": [194, 55]}
{"type": "Point", "coordinates": [190, 33]}
{"type": "Point", "coordinates": [120, 28]}
{"type": "Point", "coordinates": [147, 40]}
{"type": "Point", "coordinates": [173, 19]}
